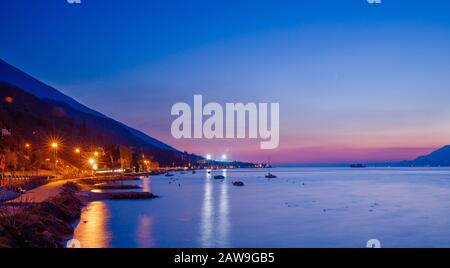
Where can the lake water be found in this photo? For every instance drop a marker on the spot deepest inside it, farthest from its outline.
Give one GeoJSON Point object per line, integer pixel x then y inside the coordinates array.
{"type": "Point", "coordinates": [303, 207]}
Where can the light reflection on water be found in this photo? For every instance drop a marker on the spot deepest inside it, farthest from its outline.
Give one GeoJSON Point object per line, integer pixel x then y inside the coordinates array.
{"type": "Point", "coordinates": [207, 220]}
{"type": "Point", "coordinates": [144, 234]}
{"type": "Point", "coordinates": [92, 230]}
{"type": "Point", "coordinates": [96, 191]}
{"type": "Point", "coordinates": [224, 221]}
{"type": "Point", "coordinates": [215, 221]}
{"type": "Point", "coordinates": [146, 187]}
{"type": "Point", "coordinates": [303, 207]}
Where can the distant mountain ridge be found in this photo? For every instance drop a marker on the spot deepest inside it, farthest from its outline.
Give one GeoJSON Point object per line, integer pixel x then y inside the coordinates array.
{"type": "Point", "coordinates": [22, 80]}
{"type": "Point", "coordinates": [438, 158]}
{"type": "Point", "coordinates": [15, 77]}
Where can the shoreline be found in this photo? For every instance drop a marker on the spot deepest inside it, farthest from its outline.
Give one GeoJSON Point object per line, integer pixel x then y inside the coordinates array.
{"type": "Point", "coordinates": [52, 222]}
{"type": "Point", "coordinates": [41, 225]}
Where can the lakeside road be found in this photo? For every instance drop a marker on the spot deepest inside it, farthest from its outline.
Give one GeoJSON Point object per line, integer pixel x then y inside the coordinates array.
{"type": "Point", "coordinates": [41, 193]}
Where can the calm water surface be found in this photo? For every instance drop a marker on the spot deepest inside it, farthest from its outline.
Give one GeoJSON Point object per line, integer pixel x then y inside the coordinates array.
{"type": "Point", "coordinates": [303, 207]}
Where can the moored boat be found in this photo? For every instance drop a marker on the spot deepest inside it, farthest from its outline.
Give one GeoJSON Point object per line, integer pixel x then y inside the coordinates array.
{"type": "Point", "coordinates": [269, 175]}
{"type": "Point", "coordinates": [357, 166]}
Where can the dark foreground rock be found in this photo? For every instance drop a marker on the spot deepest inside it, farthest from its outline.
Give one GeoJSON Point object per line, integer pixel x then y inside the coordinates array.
{"type": "Point", "coordinates": [119, 196]}
{"type": "Point", "coordinates": [116, 187]}
{"type": "Point", "coordinates": [100, 180]}
{"type": "Point", "coordinates": [41, 225]}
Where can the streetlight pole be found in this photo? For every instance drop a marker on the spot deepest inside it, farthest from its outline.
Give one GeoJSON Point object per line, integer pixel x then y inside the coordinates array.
{"type": "Point", "coordinates": [28, 158]}
{"type": "Point", "coordinates": [93, 165]}
{"type": "Point", "coordinates": [56, 161]}
{"type": "Point", "coordinates": [55, 147]}
{"type": "Point", "coordinates": [78, 151]}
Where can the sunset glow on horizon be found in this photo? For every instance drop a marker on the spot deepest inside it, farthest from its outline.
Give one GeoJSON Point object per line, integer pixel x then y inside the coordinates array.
{"type": "Point", "coordinates": [355, 82]}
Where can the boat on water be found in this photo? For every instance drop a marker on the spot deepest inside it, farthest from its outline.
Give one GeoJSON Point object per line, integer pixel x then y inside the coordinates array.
{"type": "Point", "coordinates": [357, 166]}
{"type": "Point", "coordinates": [193, 172]}
{"type": "Point", "coordinates": [269, 175]}
{"type": "Point", "coordinates": [238, 183]}
{"type": "Point", "coordinates": [169, 174]}
{"type": "Point", "coordinates": [219, 177]}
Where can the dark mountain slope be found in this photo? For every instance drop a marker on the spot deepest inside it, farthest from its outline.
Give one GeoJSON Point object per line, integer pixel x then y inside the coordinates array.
{"type": "Point", "coordinates": [25, 115]}
{"type": "Point", "coordinates": [13, 76]}
{"type": "Point", "coordinates": [438, 158]}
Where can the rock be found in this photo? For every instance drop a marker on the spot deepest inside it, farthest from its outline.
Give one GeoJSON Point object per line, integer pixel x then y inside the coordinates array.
{"type": "Point", "coordinates": [47, 238]}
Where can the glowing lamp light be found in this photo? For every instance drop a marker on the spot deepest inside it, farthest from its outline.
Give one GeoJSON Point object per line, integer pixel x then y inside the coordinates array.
{"type": "Point", "coordinates": [208, 157]}
{"type": "Point", "coordinates": [92, 161]}
{"type": "Point", "coordinates": [9, 99]}
{"type": "Point", "coordinates": [54, 145]}
{"type": "Point", "coordinates": [77, 150]}
{"type": "Point", "coordinates": [96, 153]}
{"type": "Point", "coordinates": [224, 157]}
{"type": "Point", "coordinates": [94, 166]}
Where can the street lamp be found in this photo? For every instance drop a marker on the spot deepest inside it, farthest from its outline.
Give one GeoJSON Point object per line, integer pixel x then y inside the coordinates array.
{"type": "Point", "coordinates": [94, 165]}
{"type": "Point", "coordinates": [146, 162]}
{"type": "Point", "coordinates": [78, 152]}
{"type": "Point", "coordinates": [54, 146]}
{"type": "Point", "coordinates": [28, 156]}
{"type": "Point", "coordinates": [96, 154]}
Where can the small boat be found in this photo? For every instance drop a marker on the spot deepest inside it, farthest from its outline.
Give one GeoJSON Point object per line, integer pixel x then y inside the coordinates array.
{"type": "Point", "coordinates": [219, 177]}
{"type": "Point", "coordinates": [238, 183]}
{"type": "Point", "coordinates": [270, 175]}
{"type": "Point", "coordinates": [193, 172]}
{"type": "Point", "coordinates": [357, 166]}
{"type": "Point", "coordinates": [168, 174]}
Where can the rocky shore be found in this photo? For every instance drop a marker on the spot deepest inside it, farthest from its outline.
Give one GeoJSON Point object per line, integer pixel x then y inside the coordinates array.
{"type": "Point", "coordinates": [50, 223]}
{"type": "Point", "coordinates": [41, 225]}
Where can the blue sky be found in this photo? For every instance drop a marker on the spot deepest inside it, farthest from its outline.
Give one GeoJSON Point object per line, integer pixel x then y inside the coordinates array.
{"type": "Point", "coordinates": [354, 81]}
